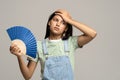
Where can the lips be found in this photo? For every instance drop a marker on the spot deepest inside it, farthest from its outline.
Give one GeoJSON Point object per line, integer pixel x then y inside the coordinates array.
{"type": "Point", "coordinates": [56, 28]}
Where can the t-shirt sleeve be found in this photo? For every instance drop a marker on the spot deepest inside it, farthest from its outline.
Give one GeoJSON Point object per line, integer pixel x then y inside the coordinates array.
{"type": "Point", "coordinates": [74, 42]}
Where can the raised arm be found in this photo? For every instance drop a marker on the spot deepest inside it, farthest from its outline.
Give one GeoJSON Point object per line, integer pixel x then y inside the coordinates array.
{"type": "Point", "coordinates": [26, 69]}
{"type": "Point", "coordinates": [88, 33]}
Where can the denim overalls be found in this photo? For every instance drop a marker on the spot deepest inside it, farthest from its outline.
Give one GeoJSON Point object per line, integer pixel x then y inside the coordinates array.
{"type": "Point", "coordinates": [57, 67]}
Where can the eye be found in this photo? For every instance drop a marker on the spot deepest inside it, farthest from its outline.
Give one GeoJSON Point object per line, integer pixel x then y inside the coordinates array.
{"type": "Point", "coordinates": [64, 23]}
{"type": "Point", "coordinates": [54, 19]}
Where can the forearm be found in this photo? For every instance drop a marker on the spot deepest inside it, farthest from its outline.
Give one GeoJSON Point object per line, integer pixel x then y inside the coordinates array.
{"type": "Point", "coordinates": [23, 67]}
{"type": "Point", "coordinates": [83, 28]}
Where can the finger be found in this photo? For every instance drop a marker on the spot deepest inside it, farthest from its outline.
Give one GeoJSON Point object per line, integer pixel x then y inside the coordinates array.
{"type": "Point", "coordinates": [61, 12]}
{"type": "Point", "coordinates": [61, 15]}
{"type": "Point", "coordinates": [58, 13]}
{"type": "Point", "coordinates": [19, 51]}
{"type": "Point", "coordinates": [13, 45]}
{"type": "Point", "coordinates": [13, 49]}
{"type": "Point", "coordinates": [16, 51]}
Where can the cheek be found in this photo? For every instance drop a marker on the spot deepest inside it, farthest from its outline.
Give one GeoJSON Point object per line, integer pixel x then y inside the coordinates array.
{"type": "Point", "coordinates": [52, 24]}
{"type": "Point", "coordinates": [63, 28]}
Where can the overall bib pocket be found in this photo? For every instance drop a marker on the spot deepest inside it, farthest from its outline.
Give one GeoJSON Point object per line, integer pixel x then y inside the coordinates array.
{"type": "Point", "coordinates": [58, 68]}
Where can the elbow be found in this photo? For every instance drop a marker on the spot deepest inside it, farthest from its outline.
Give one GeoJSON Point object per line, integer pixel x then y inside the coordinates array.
{"type": "Point", "coordinates": [27, 77]}
{"type": "Point", "coordinates": [94, 34]}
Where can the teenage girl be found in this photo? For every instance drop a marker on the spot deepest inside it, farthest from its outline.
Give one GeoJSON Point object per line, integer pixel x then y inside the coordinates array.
{"type": "Point", "coordinates": [59, 30]}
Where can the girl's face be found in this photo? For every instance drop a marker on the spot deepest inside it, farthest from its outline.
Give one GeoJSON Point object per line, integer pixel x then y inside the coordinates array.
{"type": "Point", "coordinates": [57, 25]}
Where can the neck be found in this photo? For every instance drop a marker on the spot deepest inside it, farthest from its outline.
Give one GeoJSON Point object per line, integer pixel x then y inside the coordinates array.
{"type": "Point", "coordinates": [54, 37]}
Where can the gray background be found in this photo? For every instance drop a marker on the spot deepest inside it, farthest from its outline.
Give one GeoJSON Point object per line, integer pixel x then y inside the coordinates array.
{"type": "Point", "coordinates": [98, 60]}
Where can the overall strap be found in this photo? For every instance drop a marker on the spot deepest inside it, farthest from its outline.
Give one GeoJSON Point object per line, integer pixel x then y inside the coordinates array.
{"type": "Point", "coordinates": [66, 47]}
{"type": "Point", "coordinates": [44, 46]}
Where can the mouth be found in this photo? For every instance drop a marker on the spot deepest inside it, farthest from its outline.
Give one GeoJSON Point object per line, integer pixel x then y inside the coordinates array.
{"type": "Point", "coordinates": [55, 28]}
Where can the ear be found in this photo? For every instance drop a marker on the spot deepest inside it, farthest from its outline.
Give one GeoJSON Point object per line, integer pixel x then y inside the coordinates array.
{"type": "Point", "coordinates": [49, 23]}
{"type": "Point", "coordinates": [66, 29]}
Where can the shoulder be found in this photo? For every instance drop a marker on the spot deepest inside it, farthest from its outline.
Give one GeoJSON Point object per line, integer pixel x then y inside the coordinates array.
{"type": "Point", "coordinates": [39, 46]}
{"type": "Point", "coordinates": [73, 41]}
{"type": "Point", "coordinates": [39, 43]}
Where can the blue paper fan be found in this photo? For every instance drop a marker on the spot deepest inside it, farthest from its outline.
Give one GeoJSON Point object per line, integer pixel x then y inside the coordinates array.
{"type": "Point", "coordinates": [24, 34]}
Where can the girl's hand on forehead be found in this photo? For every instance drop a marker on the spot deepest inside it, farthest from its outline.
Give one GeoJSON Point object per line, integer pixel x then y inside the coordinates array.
{"type": "Point", "coordinates": [64, 14]}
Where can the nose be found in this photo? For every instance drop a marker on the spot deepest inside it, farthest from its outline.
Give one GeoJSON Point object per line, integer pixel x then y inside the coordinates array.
{"type": "Point", "coordinates": [58, 23]}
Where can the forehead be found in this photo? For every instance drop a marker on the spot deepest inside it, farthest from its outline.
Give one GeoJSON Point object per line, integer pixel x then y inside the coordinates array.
{"type": "Point", "coordinates": [58, 17]}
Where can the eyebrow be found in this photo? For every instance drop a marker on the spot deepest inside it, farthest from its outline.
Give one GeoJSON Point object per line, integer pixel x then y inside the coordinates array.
{"type": "Point", "coordinates": [58, 19]}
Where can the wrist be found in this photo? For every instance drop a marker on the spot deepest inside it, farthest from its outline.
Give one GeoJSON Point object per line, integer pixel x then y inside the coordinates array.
{"type": "Point", "coordinates": [71, 21]}
{"type": "Point", "coordinates": [19, 56]}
